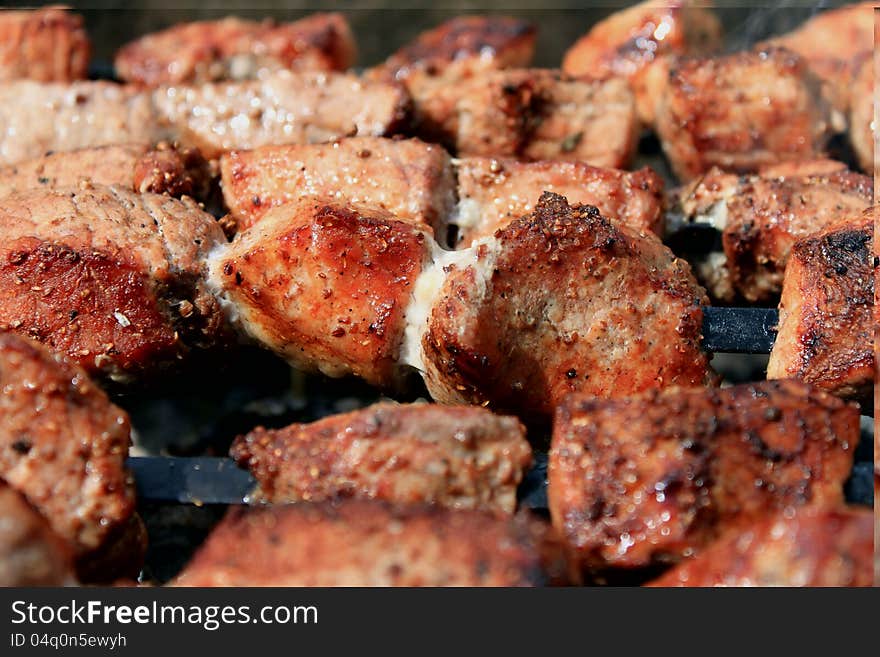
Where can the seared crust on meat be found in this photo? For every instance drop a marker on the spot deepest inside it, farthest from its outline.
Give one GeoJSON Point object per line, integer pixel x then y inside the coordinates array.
{"type": "Point", "coordinates": [358, 543]}
{"type": "Point", "coordinates": [48, 44]}
{"type": "Point", "coordinates": [408, 178]}
{"type": "Point", "coordinates": [107, 276]}
{"type": "Point", "coordinates": [493, 192]}
{"type": "Point", "coordinates": [235, 49]}
{"type": "Point", "coordinates": [740, 112]}
{"type": "Point", "coordinates": [63, 445]}
{"type": "Point", "coordinates": [325, 285]}
{"type": "Point", "coordinates": [654, 478]}
{"type": "Point", "coordinates": [826, 328]}
{"type": "Point", "coordinates": [815, 547]}
{"type": "Point", "coordinates": [561, 301]}
{"type": "Point", "coordinates": [456, 457]}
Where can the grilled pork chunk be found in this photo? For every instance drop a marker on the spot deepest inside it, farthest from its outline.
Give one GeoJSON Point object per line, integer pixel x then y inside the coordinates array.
{"type": "Point", "coordinates": [410, 179]}
{"type": "Point", "coordinates": [48, 44]}
{"type": "Point", "coordinates": [629, 42]}
{"type": "Point", "coordinates": [861, 111]}
{"type": "Point", "coordinates": [455, 457]}
{"type": "Point", "coordinates": [826, 328]}
{"type": "Point", "coordinates": [655, 478]}
{"type": "Point", "coordinates": [107, 276]}
{"type": "Point", "coordinates": [493, 192]}
{"type": "Point", "coordinates": [814, 547]}
{"type": "Point", "coordinates": [740, 112]}
{"type": "Point", "coordinates": [357, 543]}
{"type": "Point", "coordinates": [236, 49]}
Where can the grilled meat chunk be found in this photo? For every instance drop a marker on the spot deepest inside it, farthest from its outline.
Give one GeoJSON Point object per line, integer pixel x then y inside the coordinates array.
{"type": "Point", "coordinates": [493, 192]}
{"type": "Point", "coordinates": [357, 543]}
{"type": "Point", "coordinates": [740, 112]}
{"type": "Point", "coordinates": [48, 44]}
{"type": "Point", "coordinates": [236, 49]}
{"type": "Point", "coordinates": [826, 327]}
{"type": "Point", "coordinates": [654, 478]}
{"type": "Point", "coordinates": [456, 457]}
{"type": "Point", "coordinates": [63, 445]}
{"type": "Point", "coordinates": [410, 179]}
{"type": "Point", "coordinates": [107, 276]}
{"type": "Point", "coordinates": [629, 42]}
{"type": "Point", "coordinates": [762, 216]}
{"type": "Point", "coordinates": [815, 547]}
{"type": "Point", "coordinates": [861, 112]}
{"type": "Point", "coordinates": [561, 301]}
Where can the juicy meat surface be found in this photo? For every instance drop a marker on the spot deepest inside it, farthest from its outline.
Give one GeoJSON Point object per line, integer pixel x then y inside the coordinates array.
{"type": "Point", "coordinates": [48, 45]}
{"type": "Point", "coordinates": [63, 445]}
{"type": "Point", "coordinates": [408, 178]}
{"type": "Point", "coordinates": [455, 457]}
{"type": "Point", "coordinates": [815, 547]}
{"type": "Point", "coordinates": [235, 49]}
{"type": "Point", "coordinates": [655, 478]}
{"type": "Point", "coordinates": [325, 285]}
{"type": "Point", "coordinates": [493, 192]}
{"type": "Point", "coordinates": [629, 42]}
{"type": "Point", "coordinates": [107, 276]}
{"type": "Point", "coordinates": [861, 112]}
{"type": "Point", "coordinates": [740, 112]}
{"type": "Point", "coordinates": [357, 543]}
{"type": "Point", "coordinates": [826, 327]}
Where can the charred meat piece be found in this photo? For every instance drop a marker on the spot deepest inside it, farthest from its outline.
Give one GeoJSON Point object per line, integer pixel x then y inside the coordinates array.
{"type": "Point", "coordinates": [762, 216]}
{"type": "Point", "coordinates": [326, 285]}
{"type": "Point", "coordinates": [861, 112]}
{"type": "Point", "coordinates": [815, 547]}
{"type": "Point", "coordinates": [740, 112]}
{"type": "Point", "coordinates": [493, 192]}
{"type": "Point", "coordinates": [358, 543]}
{"type": "Point", "coordinates": [107, 276]}
{"type": "Point", "coordinates": [455, 457]}
{"type": "Point", "coordinates": [48, 45]}
{"type": "Point", "coordinates": [826, 328]}
{"type": "Point", "coordinates": [408, 178]}
{"type": "Point", "coordinates": [629, 42]}
{"type": "Point", "coordinates": [63, 445]}
{"type": "Point", "coordinates": [656, 477]}
{"type": "Point", "coordinates": [236, 49]}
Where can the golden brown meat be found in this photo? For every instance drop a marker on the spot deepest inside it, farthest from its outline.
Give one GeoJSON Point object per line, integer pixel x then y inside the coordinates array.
{"type": "Point", "coordinates": [826, 328]}
{"type": "Point", "coordinates": [861, 113]}
{"type": "Point", "coordinates": [740, 112]}
{"type": "Point", "coordinates": [107, 276]}
{"type": "Point", "coordinates": [48, 44]}
{"type": "Point", "coordinates": [628, 43]}
{"type": "Point", "coordinates": [63, 445]}
{"type": "Point", "coordinates": [814, 547]}
{"type": "Point", "coordinates": [358, 543]}
{"type": "Point", "coordinates": [236, 49]}
{"type": "Point", "coordinates": [410, 179]}
{"type": "Point", "coordinates": [762, 216]}
{"type": "Point", "coordinates": [493, 192]}
{"type": "Point", "coordinates": [654, 478]}
{"type": "Point", "coordinates": [455, 457]}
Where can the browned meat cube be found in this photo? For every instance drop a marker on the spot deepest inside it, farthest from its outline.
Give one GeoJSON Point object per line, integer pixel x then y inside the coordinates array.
{"type": "Point", "coordinates": [493, 192]}
{"type": "Point", "coordinates": [628, 43]}
{"type": "Point", "coordinates": [326, 285]}
{"type": "Point", "coordinates": [236, 49]}
{"type": "Point", "coordinates": [410, 179]}
{"type": "Point", "coordinates": [456, 457]}
{"type": "Point", "coordinates": [48, 44]}
{"type": "Point", "coordinates": [826, 328]}
{"type": "Point", "coordinates": [107, 276]}
{"type": "Point", "coordinates": [63, 445]}
{"type": "Point", "coordinates": [654, 478]}
{"type": "Point", "coordinates": [815, 547]}
{"type": "Point", "coordinates": [358, 543]}
{"type": "Point", "coordinates": [561, 301]}
{"type": "Point", "coordinates": [861, 111]}
{"type": "Point", "coordinates": [740, 112]}
{"type": "Point", "coordinates": [762, 216]}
